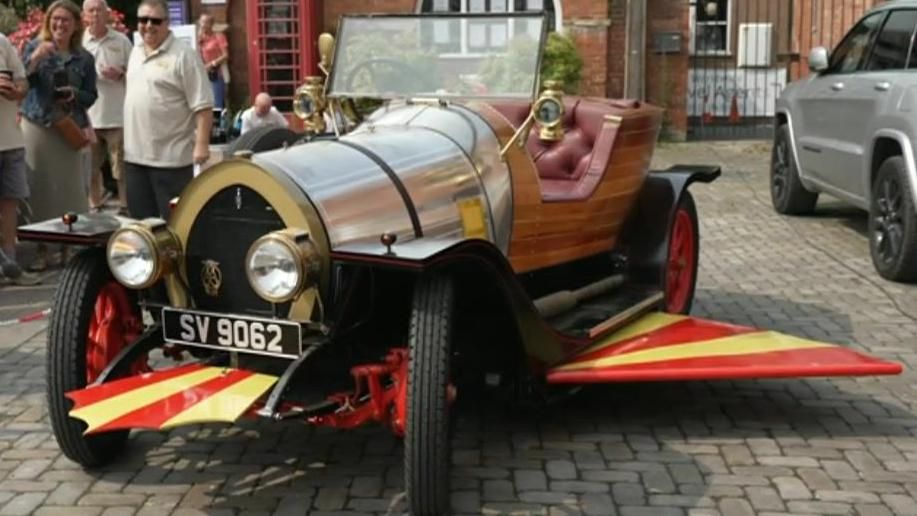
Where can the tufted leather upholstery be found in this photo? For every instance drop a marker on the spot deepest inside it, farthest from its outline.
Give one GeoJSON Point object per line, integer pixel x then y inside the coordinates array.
{"type": "Point", "coordinates": [572, 168]}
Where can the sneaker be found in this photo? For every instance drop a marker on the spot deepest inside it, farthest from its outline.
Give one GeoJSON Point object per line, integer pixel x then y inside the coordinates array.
{"type": "Point", "coordinates": [11, 270]}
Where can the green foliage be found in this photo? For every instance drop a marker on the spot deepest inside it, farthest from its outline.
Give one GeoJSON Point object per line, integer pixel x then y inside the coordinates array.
{"type": "Point", "coordinates": [562, 62]}
{"type": "Point", "coordinates": [9, 20]}
{"type": "Point", "coordinates": [512, 72]}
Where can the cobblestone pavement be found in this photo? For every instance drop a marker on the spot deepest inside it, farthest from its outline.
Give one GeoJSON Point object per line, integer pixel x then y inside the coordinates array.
{"type": "Point", "coordinates": [821, 446]}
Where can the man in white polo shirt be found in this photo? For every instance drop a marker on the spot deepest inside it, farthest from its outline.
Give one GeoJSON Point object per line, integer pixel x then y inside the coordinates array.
{"type": "Point", "coordinates": [111, 50]}
{"type": "Point", "coordinates": [168, 112]}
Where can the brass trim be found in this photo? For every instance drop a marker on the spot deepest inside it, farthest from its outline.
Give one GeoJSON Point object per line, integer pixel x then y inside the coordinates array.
{"type": "Point", "coordinates": [165, 246]}
{"type": "Point", "coordinates": [615, 119]}
{"type": "Point", "coordinates": [299, 244]}
{"type": "Point", "coordinates": [291, 204]}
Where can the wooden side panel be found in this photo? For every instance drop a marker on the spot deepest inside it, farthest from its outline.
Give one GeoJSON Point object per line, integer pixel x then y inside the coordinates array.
{"type": "Point", "coordinates": [551, 233]}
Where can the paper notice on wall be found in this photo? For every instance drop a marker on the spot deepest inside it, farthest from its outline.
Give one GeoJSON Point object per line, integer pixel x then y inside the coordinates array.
{"type": "Point", "coordinates": [717, 91]}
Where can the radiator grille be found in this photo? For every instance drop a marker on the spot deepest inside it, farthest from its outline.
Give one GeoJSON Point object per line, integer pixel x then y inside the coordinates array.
{"type": "Point", "coordinates": [223, 232]}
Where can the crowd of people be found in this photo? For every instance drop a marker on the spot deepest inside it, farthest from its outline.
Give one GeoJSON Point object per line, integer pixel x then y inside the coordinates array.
{"type": "Point", "coordinates": [81, 94]}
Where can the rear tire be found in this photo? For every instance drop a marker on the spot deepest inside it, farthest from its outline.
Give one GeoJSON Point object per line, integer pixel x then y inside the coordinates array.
{"type": "Point", "coordinates": [893, 223]}
{"type": "Point", "coordinates": [427, 442]}
{"type": "Point", "coordinates": [680, 277]}
{"type": "Point", "coordinates": [788, 195]}
{"type": "Point", "coordinates": [68, 330]}
{"type": "Point", "coordinates": [262, 139]}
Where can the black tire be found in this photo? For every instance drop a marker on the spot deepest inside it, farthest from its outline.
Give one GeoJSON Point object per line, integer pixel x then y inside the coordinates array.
{"type": "Point", "coordinates": [893, 223]}
{"type": "Point", "coordinates": [427, 441]}
{"type": "Point", "coordinates": [262, 139]}
{"type": "Point", "coordinates": [686, 205]}
{"type": "Point", "coordinates": [68, 328]}
{"type": "Point", "coordinates": [788, 195]}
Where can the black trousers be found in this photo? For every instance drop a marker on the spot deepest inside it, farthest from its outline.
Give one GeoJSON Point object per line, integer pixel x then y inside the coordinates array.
{"type": "Point", "coordinates": [149, 189]}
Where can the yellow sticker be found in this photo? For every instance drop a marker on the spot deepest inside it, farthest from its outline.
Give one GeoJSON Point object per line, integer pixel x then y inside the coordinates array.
{"type": "Point", "coordinates": [472, 214]}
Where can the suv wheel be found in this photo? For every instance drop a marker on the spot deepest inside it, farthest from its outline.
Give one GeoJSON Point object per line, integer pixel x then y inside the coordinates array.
{"type": "Point", "coordinates": [788, 195]}
{"type": "Point", "coordinates": [893, 223]}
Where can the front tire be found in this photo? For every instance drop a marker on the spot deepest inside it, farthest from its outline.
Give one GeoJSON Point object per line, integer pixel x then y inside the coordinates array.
{"type": "Point", "coordinates": [79, 347]}
{"type": "Point", "coordinates": [427, 442]}
{"type": "Point", "coordinates": [893, 223]}
{"type": "Point", "coordinates": [788, 195]}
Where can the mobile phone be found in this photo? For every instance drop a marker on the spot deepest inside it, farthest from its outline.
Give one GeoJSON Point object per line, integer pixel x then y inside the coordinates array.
{"type": "Point", "coordinates": [61, 80]}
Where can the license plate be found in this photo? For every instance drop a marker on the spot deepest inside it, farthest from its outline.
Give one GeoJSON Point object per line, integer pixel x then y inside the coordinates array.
{"type": "Point", "coordinates": [232, 332]}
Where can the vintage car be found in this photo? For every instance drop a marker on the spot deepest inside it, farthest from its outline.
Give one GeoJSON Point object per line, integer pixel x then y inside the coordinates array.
{"type": "Point", "coordinates": [474, 233]}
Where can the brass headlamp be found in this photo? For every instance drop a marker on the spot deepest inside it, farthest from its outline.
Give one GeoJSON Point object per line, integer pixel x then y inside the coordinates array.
{"type": "Point", "coordinates": [549, 112]}
{"type": "Point", "coordinates": [309, 104]}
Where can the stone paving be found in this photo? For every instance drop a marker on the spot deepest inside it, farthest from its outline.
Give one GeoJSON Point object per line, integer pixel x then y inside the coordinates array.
{"type": "Point", "coordinates": [844, 446]}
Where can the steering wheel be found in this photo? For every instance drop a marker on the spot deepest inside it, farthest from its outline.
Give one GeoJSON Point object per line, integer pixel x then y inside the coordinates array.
{"type": "Point", "coordinates": [399, 68]}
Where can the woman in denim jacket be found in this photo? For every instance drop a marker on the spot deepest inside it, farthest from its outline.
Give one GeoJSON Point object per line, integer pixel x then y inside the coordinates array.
{"type": "Point", "coordinates": [62, 82]}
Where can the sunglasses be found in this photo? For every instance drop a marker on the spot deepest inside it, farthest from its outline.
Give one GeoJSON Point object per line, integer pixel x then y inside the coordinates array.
{"type": "Point", "coordinates": [142, 20]}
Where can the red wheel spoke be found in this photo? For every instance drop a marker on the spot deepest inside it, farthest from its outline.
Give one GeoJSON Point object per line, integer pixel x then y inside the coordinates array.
{"type": "Point", "coordinates": [113, 325]}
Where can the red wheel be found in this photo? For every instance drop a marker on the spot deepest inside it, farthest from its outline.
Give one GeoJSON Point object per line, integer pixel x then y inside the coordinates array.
{"type": "Point", "coordinates": [681, 264]}
{"type": "Point", "coordinates": [113, 325]}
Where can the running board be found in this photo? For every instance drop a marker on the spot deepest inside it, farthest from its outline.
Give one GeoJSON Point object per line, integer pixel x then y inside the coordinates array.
{"type": "Point", "coordinates": [665, 347]}
{"type": "Point", "coordinates": [183, 395]}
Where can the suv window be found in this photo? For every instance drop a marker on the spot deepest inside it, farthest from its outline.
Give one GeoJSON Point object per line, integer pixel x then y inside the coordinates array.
{"type": "Point", "coordinates": [894, 41]}
{"type": "Point", "coordinates": [849, 55]}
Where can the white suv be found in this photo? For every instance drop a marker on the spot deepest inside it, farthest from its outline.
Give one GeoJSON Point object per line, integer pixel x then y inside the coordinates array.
{"type": "Point", "coordinates": [849, 131]}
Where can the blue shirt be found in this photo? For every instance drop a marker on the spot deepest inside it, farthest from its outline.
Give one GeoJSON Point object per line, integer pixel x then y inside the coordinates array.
{"type": "Point", "coordinates": [39, 105]}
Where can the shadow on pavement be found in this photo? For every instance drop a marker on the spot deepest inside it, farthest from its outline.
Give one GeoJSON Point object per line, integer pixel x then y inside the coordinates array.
{"type": "Point", "coordinates": [627, 436]}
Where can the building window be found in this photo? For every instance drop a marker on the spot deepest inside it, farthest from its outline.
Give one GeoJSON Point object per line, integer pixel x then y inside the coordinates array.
{"type": "Point", "coordinates": [485, 36]}
{"type": "Point", "coordinates": [710, 27]}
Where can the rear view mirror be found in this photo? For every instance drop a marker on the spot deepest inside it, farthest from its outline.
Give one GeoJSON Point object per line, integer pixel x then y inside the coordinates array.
{"type": "Point", "coordinates": [818, 59]}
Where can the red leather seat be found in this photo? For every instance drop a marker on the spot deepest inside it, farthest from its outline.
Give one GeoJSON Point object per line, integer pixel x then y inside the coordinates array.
{"type": "Point", "coordinates": [572, 168]}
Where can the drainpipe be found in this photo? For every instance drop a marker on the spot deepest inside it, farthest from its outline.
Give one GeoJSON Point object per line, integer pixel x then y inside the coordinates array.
{"type": "Point", "coordinates": [635, 57]}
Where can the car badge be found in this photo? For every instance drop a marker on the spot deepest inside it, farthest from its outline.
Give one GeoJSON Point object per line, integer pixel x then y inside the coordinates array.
{"type": "Point", "coordinates": [238, 198]}
{"type": "Point", "coordinates": [211, 277]}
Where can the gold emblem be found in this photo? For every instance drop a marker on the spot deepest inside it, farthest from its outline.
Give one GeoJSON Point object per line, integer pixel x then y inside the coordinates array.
{"type": "Point", "coordinates": [211, 277]}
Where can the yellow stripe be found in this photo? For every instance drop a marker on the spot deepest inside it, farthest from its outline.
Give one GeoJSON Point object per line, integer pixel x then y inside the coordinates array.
{"type": "Point", "coordinates": [226, 405]}
{"type": "Point", "coordinates": [646, 324]}
{"type": "Point", "coordinates": [102, 412]}
{"type": "Point", "coordinates": [746, 344]}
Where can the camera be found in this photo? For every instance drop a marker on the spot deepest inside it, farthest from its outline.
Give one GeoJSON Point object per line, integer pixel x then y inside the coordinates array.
{"type": "Point", "coordinates": [61, 80]}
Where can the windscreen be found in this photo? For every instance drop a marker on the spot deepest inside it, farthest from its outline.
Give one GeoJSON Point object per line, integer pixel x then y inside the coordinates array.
{"type": "Point", "coordinates": [438, 56]}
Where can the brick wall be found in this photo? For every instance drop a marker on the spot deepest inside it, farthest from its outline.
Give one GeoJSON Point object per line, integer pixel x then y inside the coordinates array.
{"type": "Point", "coordinates": [335, 8]}
{"type": "Point", "coordinates": [587, 23]}
{"type": "Point", "coordinates": [667, 75]}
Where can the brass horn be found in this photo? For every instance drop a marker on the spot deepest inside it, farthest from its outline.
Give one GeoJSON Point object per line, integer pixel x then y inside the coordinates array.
{"type": "Point", "coordinates": [325, 51]}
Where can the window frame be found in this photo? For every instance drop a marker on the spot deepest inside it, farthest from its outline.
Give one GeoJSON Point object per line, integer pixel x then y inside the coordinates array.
{"type": "Point", "coordinates": [465, 50]}
{"type": "Point", "coordinates": [692, 44]}
{"type": "Point", "coordinates": [872, 44]}
{"type": "Point", "coordinates": [883, 17]}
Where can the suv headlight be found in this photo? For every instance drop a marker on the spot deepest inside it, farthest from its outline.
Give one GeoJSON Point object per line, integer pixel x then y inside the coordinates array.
{"type": "Point", "coordinates": [281, 265]}
{"type": "Point", "coordinates": [141, 253]}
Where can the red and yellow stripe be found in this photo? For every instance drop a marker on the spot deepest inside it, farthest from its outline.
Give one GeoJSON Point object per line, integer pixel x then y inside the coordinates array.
{"type": "Point", "coordinates": [164, 399]}
{"type": "Point", "coordinates": [673, 347]}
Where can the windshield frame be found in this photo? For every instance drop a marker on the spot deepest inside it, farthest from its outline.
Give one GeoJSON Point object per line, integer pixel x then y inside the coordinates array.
{"type": "Point", "coordinates": [536, 86]}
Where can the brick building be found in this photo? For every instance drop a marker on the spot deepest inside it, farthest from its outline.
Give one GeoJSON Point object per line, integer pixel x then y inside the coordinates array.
{"type": "Point", "coordinates": [673, 53]}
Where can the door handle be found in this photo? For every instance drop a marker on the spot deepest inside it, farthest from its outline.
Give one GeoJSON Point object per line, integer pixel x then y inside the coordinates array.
{"type": "Point", "coordinates": [883, 86]}
{"type": "Point", "coordinates": [838, 86]}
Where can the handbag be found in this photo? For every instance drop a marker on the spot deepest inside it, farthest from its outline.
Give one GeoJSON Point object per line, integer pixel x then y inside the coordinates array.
{"type": "Point", "coordinates": [72, 133]}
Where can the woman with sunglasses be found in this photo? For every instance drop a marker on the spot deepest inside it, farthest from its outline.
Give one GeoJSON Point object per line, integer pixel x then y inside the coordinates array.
{"type": "Point", "coordinates": [55, 124]}
{"type": "Point", "coordinates": [168, 111]}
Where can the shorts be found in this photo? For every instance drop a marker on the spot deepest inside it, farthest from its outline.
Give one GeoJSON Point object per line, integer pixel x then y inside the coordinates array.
{"type": "Point", "coordinates": [14, 183]}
